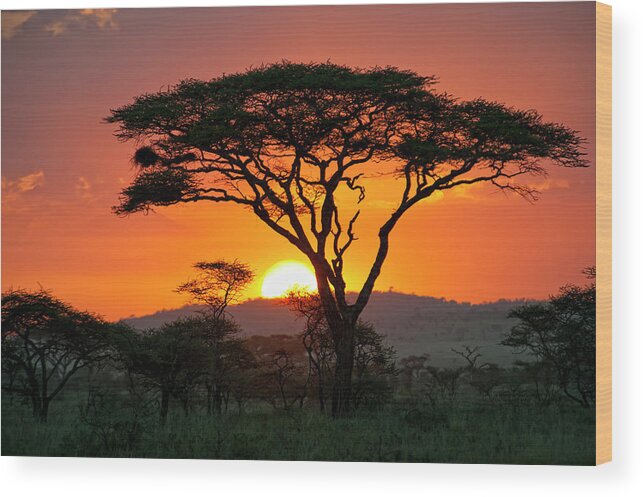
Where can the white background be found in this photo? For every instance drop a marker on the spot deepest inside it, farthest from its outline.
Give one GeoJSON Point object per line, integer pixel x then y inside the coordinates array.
{"type": "Point", "coordinates": [624, 476]}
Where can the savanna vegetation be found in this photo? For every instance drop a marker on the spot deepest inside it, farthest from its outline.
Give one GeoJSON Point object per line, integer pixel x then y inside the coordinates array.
{"type": "Point", "coordinates": [292, 144]}
{"type": "Point", "coordinates": [196, 388]}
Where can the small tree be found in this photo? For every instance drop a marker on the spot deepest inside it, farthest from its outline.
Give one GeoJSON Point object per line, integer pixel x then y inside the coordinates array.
{"type": "Point", "coordinates": [471, 355]}
{"type": "Point", "coordinates": [217, 285]}
{"type": "Point", "coordinates": [316, 340]}
{"type": "Point", "coordinates": [543, 376]}
{"type": "Point", "coordinates": [374, 367]}
{"type": "Point", "coordinates": [287, 141]}
{"type": "Point", "coordinates": [562, 333]}
{"type": "Point", "coordinates": [282, 376]}
{"type": "Point", "coordinates": [244, 375]}
{"type": "Point", "coordinates": [374, 361]}
{"type": "Point", "coordinates": [483, 376]}
{"type": "Point", "coordinates": [46, 342]}
{"type": "Point", "coordinates": [412, 370]}
{"type": "Point", "coordinates": [442, 384]}
{"type": "Point", "coordinates": [227, 361]}
{"type": "Point", "coordinates": [170, 360]}
{"type": "Point", "coordinates": [289, 376]}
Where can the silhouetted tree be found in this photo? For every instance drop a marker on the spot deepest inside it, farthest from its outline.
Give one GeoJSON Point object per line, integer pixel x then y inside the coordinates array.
{"type": "Point", "coordinates": [272, 353]}
{"type": "Point", "coordinates": [290, 379]}
{"type": "Point", "coordinates": [442, 384]}
{"type": "Point", "coordinates": [543, 376]}
{"type": "Point", "coordinates": [374, 367]}
{"type": "Point", "coordinates": [243, 376]}
{"type": "Point", "coordinates": [287, 140]}
{"type": "Point", "coordinates": [483, 376]}
{"type": "Point", "coordinates": [315, 338]}
{"type": "Point", "coordinates": [374, 361]}
{"type": "Point", "coordinates": [485, 379]}
{"type": "Point", "coordinates": [217, 285]}
{"type": "Point", "coordinates": [45, 342]}
{"type": "Point", "coordinates": [471, 355]}
{"type": "Point", "coordinates": [412, 370]}
{"type": "Point", "coordinates": [169, 360]}
{"type": "Point", "coordinates": [227, 362]}
{"type": "Point", "coordinates": [562, 333]}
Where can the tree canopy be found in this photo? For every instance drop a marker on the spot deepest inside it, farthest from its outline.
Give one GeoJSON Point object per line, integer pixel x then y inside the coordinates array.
{"type": "Point", "coordinates": [561, 334]}
{"type": "Point", "coordinates": [217, 285]}
{"type": "Point", "coordinates": [45, 342]}
{"type": "Point", "coordinates": [285, 140]}
{"type": "Point", "coordinates": [282, 139]}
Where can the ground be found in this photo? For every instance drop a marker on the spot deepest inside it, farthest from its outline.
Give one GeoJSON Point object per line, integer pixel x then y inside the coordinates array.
{"type": "Point", "coordinates": [560, 434]}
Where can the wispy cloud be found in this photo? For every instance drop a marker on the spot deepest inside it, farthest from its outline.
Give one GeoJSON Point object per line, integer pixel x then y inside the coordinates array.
{"type": "Point", "coordinates": [104, 18]}
{"type": "Point", "coordinates": [84, 189]}
{"type": "Point", "coordinates": [13, 21]}
{"type": "Point", "coordinates": [13, 190]}
{"type": "Point", "coordinates": [57, 22]}
{"type": "Point", "coordinates": [101, 18]}
{"type": "Point", "coordinates": [551, 184]}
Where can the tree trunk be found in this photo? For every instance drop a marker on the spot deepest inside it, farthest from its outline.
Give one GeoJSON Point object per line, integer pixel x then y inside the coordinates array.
{"type": "Point", "coordinates": [209, 400]}
{"type": "Point", "coordinates": [41, 409]}
{"type": "Point", "coordinates": [218, 401]}
{"type": "Point", "coordinates": [341, 320]}
{"type": "Point", "coordinates": [342, 385]}
{"type": "Point", "coordinates": [44, 413]}
{"type": "Point", "coordinates": [165, 403]}
{"type": "Point", "coordinates": [35, 404]}
{"type": "Point", "coordinates": [320, 391]}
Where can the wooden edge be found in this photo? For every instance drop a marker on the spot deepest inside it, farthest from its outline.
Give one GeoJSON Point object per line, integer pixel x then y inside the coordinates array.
{"type": "Point", "coordinates": [603, 233]}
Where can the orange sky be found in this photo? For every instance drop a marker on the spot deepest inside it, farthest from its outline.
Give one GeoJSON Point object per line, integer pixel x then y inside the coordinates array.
{"type": "Point", "coordinates": [62, 169]}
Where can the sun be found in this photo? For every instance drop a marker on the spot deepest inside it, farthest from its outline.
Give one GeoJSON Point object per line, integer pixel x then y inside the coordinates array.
{"type": "Point", "coordinates": [285, 276]}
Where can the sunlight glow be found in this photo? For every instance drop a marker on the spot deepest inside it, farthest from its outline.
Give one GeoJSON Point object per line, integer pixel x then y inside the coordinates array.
{"type": "Point", "coordinates": [285, 276]}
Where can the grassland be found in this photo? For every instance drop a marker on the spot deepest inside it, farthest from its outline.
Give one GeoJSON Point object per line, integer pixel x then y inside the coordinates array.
{"type": "Point", "coordinates": [558, 434]}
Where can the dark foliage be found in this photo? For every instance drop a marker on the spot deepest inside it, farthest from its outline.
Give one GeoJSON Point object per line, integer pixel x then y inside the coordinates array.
{"type": "Point", "coordinates": [561, 334]}
{"type": "Point", "coordinates": [45, 342]}
{"type": "Point", "coordinates": [217, 285]}
{"type": "Point", "coordinates": [285, 140]}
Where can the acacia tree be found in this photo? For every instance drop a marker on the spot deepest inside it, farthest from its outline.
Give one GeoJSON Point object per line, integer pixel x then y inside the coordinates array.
{"type": "Point", "coordinates": [315, 338]}
{"type": "Point", "coordinates": [169, 360]}
{"type": "Point", "coordinates": [561, 333]}
{"type": "Point", "coordinates": [217, 285]}
{"type": "Point", "coordinates": [287, 140]}
{"type": "Point", "coordinates": [374, 361]}
{"type": "Point", "coordinates": [46, 342]}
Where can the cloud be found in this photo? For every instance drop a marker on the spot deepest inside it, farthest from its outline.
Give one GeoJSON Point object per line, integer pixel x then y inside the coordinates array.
{"type": "Point", "coordinates": [84, 189]}
{"type": "Point", "coordinates": [551, 184]}
{"type": "Point", "coordinates": [13, 190]}
{"type": "Point", "coordinates": [30, 181]}
{"type": "Point", "coordinates": [13, 20]}
{"type": "Point", "coordinates": [86, 18]}
{"type": "Point", "coordinates": [104, 18]}
{"type": "Point", "coordinates": [56, 28]}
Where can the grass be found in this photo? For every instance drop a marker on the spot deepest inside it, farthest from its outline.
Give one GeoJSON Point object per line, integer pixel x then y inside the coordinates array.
{"type": "Point", "coordinates": [561, 434]}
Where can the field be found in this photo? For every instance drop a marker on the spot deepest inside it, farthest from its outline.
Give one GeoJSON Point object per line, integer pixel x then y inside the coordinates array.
{"type": "Point", "coordinates": [558, 434]}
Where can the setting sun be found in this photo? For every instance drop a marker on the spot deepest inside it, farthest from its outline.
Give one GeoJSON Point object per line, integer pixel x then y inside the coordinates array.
{"type": "Point", "coordinates": [285, 276]}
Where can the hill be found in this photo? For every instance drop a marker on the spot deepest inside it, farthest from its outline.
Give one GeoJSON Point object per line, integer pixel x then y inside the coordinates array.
{"type": "Point", "coordinates": [413, 324]}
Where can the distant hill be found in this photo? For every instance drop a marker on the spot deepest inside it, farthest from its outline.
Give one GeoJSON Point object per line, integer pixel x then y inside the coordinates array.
{"type": "Point", "coordinates": [412, 324]}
